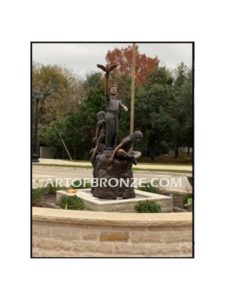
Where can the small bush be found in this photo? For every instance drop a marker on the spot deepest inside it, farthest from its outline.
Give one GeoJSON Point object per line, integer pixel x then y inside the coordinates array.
{"type": "Point", "coordinates": [147, 187]}
{"type": "Point", "coordinates": [188, 204]}
{"type": "Point", "coordinates": [147, 206]}
{"type": "Point", "coordinates": [186, 198]}
{"type": "Point", "coordinates": [52, 188]}
{"type": "Point", "coordinates": [71, 202]}
{"type": "Point", "coordinates": [37, 195]}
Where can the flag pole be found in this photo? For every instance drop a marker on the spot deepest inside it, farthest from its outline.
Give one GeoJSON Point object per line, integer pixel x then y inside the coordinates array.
{"type": "Point", "coordinates": [133, 65]}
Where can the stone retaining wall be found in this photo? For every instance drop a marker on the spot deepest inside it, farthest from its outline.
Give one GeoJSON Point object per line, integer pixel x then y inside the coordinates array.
{"type": "Point", "coordinates": [66, 233]}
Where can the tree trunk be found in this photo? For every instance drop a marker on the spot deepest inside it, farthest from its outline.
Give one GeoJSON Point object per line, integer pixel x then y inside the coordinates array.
{"type": "Point", "coordinates": [188, 152]}
{"type": "Point", "coordinates": [176, 152]}
{"type": "Point", "coordinates": [152, 156]}
{"type": "Point", "coordinates": [152, 153]}
{"type": "Point", "coordinates": [150, 150]}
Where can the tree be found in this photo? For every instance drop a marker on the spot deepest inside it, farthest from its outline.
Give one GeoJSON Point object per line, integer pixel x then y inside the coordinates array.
{"type": "Point", "coordinates": [182, 109]}
{"type": "Point", "coordinates": [152, 111]}
{"type": "Point", "coordinates": [123, 57]}
{"type": "Point", "coordinates": [80, 125]}
{"type": "Point", "coordinates": [61, 91]}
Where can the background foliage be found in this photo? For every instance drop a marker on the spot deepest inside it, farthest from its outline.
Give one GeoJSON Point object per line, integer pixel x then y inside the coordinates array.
{"type": "Point", "coordinates": [163, 105]}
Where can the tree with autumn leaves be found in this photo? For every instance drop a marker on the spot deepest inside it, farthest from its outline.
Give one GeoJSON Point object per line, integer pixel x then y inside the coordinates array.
{"type": "Point", "coordinates": [145, 65]}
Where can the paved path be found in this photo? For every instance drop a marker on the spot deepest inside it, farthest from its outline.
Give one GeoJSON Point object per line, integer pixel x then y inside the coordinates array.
{"type": "Point", "coordinates": [140, 166]}
{"type": "Point", "coordinates": [41, 173]}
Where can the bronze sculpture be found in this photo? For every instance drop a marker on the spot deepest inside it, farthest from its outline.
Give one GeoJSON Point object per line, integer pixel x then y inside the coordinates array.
{"type": "Point", "coordinates": [125, 151]}
{"type": "Point", "coordinates": [110, 161]}
{"type": "Point", "coordinates": [113, 105]}
{"type": "Point", "coordinates": [99, 138]}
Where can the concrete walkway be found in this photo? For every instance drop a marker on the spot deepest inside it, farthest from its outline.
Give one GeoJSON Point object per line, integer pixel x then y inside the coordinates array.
{"type": "Point", "coordinates": [139, 166]}
{"type": "Point", "coordinates": [177, 181]}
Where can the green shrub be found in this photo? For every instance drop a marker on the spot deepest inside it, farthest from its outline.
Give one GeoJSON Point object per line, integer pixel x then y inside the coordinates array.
{"type": "Point", "coordinates": [186, 197]}
{"type": "Point", "coordinates": [147, 187]}
{"type": "Point", "coordinates": [147, 206]}
{"type": "Point", "coordinates": [188, 204]}
{"type": "Point", "coordinates": [71, 202]}
{"type": "Point", "coordinates": [37, 195]}
{"type": "Point", "coordinates": [52, 188]}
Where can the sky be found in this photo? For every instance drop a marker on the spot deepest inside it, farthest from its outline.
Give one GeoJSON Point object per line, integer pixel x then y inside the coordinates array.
{"type": "Point", "coordinates": [81, 58]}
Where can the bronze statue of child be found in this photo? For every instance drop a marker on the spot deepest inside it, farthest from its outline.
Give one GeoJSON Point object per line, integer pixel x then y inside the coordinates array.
{"type": "Point", "coordinates": [99, 138]}
{"type": "Point", "coordinates": [125, 149]}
